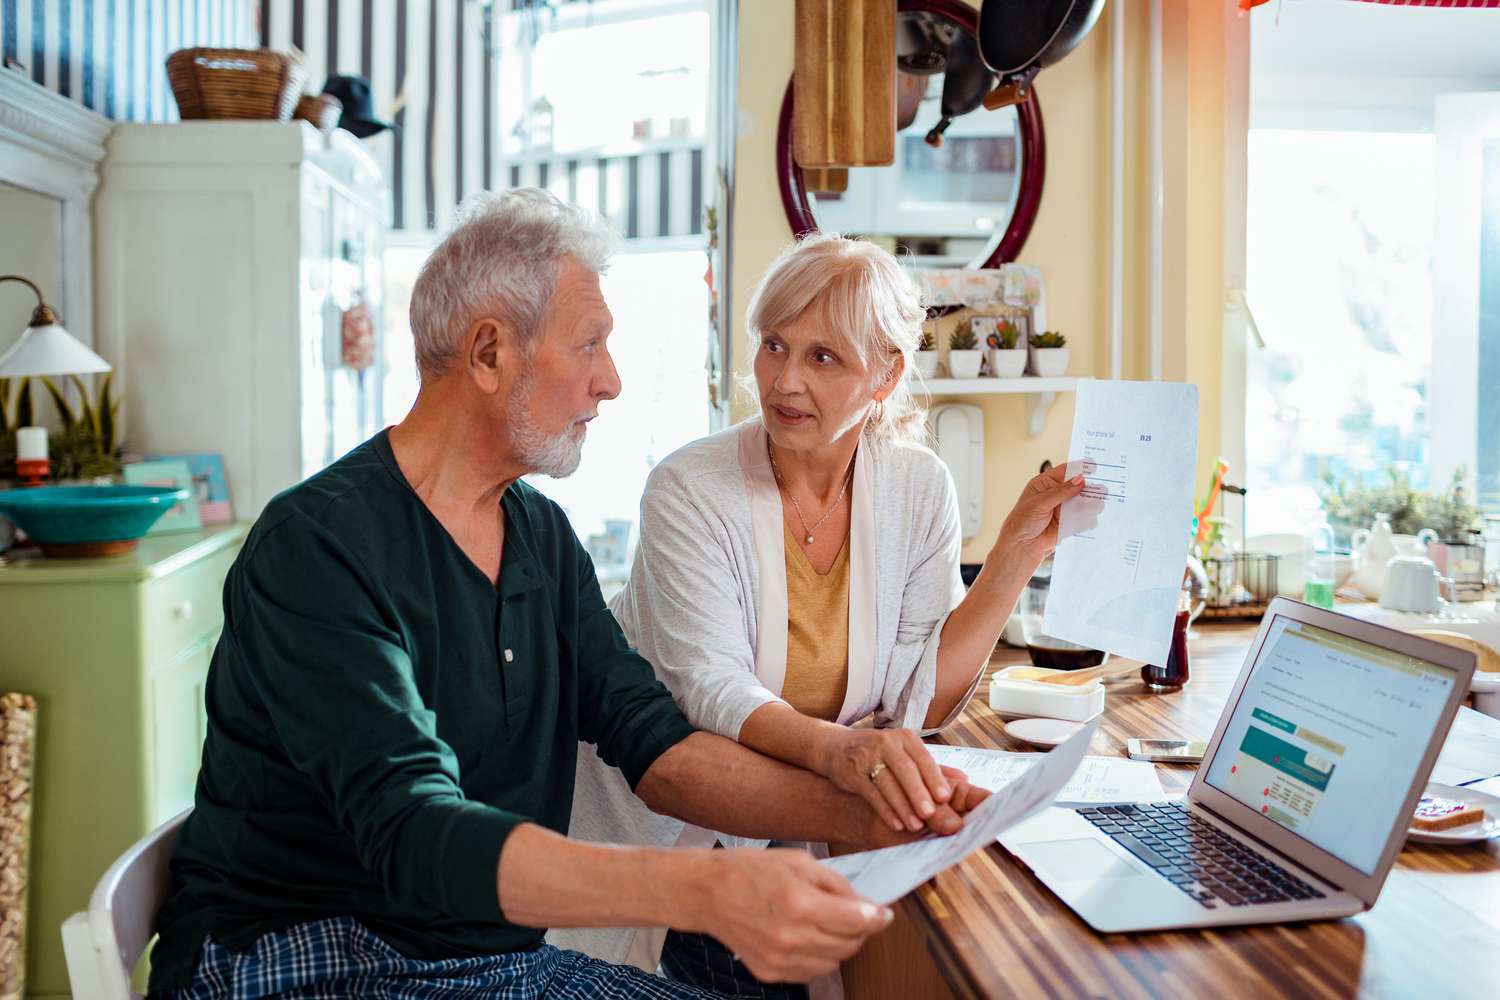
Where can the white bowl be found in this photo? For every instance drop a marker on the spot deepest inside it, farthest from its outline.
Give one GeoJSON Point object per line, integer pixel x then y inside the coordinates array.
{"type": "Point", "coordinates": [1046, 733]}
{"type": "Point", "coordinates": [1290, 564]}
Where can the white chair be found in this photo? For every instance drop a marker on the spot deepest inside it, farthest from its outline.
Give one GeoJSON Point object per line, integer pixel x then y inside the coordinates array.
{"type": "Point", "coordinates": [104, 944]}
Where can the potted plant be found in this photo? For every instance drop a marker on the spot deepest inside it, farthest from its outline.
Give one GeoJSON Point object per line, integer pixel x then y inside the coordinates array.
{"type": "Point", "coordinates": [87, 447]}
{"type": "Point", "coordinates": [1049, 354]}
{"type": "Point", "coordinates": [1006, 359]}
{"type": "Point", "coordinates": [925, 357]}
{"type": "Point", "coordinates": [1352, 504]}
{"type": "Point", "coordinates": [964, 354]}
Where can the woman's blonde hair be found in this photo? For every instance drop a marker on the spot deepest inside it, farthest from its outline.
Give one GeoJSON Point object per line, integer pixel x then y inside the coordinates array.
{"type": "Point", "coordinates": [860, 291]}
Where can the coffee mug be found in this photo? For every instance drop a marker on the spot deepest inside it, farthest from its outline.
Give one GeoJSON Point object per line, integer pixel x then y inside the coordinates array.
{"type": "Point", "coordinates": [1412, 583]}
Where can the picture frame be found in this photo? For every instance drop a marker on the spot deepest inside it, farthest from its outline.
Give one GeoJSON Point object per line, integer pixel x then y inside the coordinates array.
{"type": "Point", "coordinates": [210, 484]}
{"type": "Point", "coordinates": [168, 472]}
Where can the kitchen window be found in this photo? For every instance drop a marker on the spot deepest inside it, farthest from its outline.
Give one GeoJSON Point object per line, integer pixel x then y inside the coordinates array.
{"type": "Point", "coordinates": [1339, 251]}
{"type": "Point", "coordinates": [1372, 254]}
{"type": "Point", "coordinates": [614, 105]}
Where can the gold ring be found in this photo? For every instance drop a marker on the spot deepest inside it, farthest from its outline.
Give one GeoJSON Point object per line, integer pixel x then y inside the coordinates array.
{"type": "Point", "coordinates": [875, 771]}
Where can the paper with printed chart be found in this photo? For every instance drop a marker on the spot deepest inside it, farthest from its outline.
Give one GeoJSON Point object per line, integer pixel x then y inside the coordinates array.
{"type": "Point", "coordinates": [1124, 542]}
{"type": "Point", "coordinates": [886, 875]}
{"type": "Point", "coordinates": [1098, 780]}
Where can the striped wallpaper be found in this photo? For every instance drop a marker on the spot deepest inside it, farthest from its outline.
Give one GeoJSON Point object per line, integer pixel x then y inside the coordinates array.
{"type": "Point", "coordinates": [440, 56]}
{"type": "Point", "coordinates": [110, 55]}
{"type": "Point", "coordinates": [433, 51]}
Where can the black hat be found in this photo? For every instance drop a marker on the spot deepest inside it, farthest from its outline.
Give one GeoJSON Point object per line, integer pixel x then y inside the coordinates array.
{"type": "Point", "coordinates": [359, 114]}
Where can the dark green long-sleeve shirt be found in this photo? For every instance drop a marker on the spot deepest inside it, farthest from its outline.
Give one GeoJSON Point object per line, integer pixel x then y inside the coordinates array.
{"type": "Point", "coordinates": [381, 716]}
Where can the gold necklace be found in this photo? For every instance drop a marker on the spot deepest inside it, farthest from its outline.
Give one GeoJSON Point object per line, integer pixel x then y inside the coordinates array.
{"type": "Point", "coordinates": [808, 532]}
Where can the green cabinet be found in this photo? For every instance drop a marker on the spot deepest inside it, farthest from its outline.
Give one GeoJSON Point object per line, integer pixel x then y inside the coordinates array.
{"type": "Point", "coordinates": [116, 652]}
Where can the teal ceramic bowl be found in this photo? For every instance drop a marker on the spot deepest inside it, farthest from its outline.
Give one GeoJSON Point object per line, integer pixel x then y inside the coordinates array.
{"type": "Point", "coordinates": [88, 520]}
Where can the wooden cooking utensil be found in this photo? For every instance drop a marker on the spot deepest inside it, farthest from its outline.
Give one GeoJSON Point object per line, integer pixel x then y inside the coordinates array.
{"type": "Point", "coordinates": [844, 83]}
{"type": "Point", "coordinates": [1114, 668]}
{"type": "Point", "coordinates": [828, 180]}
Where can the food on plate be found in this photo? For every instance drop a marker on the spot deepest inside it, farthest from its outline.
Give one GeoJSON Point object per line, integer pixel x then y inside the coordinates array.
{"type": "Point", "coordinates": [1434, 813]}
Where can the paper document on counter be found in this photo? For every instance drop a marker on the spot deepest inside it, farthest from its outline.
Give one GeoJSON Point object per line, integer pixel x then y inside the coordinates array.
{"type": "Point", "coordinates": [1098, 780]}
{"type": "Point", "coordinates": [1124, 541]}
{"type": "Point", "coordinates": [886, 875]}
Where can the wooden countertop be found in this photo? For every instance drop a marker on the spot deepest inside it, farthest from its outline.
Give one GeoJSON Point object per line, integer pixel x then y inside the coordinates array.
{"type": "Point", "coordinates": [995, 931]}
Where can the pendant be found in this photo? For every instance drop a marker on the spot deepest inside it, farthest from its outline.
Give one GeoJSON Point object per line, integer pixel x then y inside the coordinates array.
{"type": "Point", "coordinates": [809, 539]}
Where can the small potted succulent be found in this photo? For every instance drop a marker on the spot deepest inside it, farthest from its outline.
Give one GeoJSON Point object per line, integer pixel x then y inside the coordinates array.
{"type": "Point", "coordinates": [964, 354]}
{"type": "Point", "coordinates": [1049, 354]}
{"type": "Point", "coordinates": [925, 357]}
{"type": "Point", "coordinates": [1007, 360]}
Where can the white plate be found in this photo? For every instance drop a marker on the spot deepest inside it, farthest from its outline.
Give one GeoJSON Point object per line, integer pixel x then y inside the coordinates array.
{"type": "Point", "coordinates": [1042, 732]}
{"type": "Point", "coordinates": [1473, 833]}
{"type": "Point", "coordinates": [1477, 619]}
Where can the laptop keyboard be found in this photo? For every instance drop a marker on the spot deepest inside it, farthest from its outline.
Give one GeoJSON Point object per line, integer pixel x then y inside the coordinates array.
{"type": "Point", "coordinates": [1196, 856]}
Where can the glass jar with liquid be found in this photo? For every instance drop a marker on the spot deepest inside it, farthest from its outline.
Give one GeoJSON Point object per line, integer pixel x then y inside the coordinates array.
{"type": "Point", "coordinates": [1318, 558]}
{"type": "Point", "coordinates": [1174, 674]}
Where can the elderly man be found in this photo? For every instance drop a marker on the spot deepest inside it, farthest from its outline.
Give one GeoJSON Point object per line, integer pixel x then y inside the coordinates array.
{"type": "Point", "coordinates": [414, 643]}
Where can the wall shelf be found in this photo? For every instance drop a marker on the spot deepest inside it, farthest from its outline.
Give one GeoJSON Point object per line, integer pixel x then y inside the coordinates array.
{"type": "Point", "coordinates": [1042, 391]}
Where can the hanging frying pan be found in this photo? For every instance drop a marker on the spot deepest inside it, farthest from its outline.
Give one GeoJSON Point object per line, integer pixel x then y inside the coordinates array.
{"type": "Point", "coordinates": [922, 43]}
{"type": "Point", "coordinates": [909, 93]}
{"type": "Point", "coordinates": [965, 83]}
{"type": "Point", "coordinates": [1019, 37]}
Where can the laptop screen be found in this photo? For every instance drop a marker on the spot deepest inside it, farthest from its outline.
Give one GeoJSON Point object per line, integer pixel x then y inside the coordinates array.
{"type": "Point", "coordinates": [1327, 737]}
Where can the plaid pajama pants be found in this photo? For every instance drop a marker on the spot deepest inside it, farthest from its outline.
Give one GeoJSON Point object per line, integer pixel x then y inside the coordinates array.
{"type": "Point", "coordinates": [341, 958]}
{"type": "Point", "coordinates": [700, 960]}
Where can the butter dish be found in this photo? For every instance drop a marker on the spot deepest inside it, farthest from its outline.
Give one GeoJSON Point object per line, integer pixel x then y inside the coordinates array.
{"type": "Point", "coordinates": [1014, 693]}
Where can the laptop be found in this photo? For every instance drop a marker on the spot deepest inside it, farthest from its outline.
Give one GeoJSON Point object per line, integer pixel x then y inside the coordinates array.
{"type": "Point", "coordinates": [1303, 797]}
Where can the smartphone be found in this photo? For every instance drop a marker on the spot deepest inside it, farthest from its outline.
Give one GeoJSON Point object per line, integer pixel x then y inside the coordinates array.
{"type": "Point", "coordinates": [1170, 751]}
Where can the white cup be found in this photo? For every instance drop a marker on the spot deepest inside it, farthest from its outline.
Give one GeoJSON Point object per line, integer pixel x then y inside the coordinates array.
{"type": "Point", "coordinates": [1412, 583]}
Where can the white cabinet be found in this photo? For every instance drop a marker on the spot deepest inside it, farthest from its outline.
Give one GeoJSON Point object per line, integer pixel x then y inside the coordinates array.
{"type": "Point", "coordinates": [227, 255]}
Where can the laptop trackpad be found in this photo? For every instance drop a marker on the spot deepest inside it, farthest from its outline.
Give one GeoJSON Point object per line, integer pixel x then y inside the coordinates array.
{"type": "Point", "coordinates": [1084, 859]}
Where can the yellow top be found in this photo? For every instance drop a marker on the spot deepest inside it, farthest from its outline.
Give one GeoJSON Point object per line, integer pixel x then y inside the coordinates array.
{"type": "Point", "coordinates": [817, 632]}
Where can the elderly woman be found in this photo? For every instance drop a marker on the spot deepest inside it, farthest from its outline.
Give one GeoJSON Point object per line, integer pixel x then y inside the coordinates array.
{"type": "Point", "coordinates": [799, 573]}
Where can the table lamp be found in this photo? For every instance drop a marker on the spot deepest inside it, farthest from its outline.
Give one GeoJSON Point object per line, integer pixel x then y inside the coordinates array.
{"type": "Point", "coordinates": [44, 349]}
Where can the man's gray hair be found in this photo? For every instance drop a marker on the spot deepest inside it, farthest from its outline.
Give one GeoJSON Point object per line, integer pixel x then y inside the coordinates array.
{"type": "Point", "coordinates": [501, 259]}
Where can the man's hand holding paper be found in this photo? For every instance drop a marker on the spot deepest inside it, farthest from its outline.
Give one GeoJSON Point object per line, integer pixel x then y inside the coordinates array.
{"type": "Point", "coordinates": [886, 875]}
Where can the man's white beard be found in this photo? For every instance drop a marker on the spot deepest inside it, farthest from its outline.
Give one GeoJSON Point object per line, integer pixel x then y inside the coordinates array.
{"type": "Point", "coordinates": [554, 455]}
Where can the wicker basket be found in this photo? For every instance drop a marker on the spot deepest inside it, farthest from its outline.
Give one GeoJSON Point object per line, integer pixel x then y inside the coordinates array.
{"type": "Point", "coordinates": [235, 83]}
{"type": "Point", "coordinates": [17, 755]}
{"type": "Point", "coordinates": [323, 110]}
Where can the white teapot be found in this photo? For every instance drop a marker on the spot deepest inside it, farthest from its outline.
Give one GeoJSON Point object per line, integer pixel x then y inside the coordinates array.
{"type": "Point", "coordinates": [1377, 545]}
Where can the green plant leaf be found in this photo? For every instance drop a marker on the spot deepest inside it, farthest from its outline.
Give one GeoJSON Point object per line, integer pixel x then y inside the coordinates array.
{"type": "Point", "coordinates": [109, 408]}
{"type": "Point", "coordinates": [108, 421]}
{"type": "Point", "coordinates": [1352, 504]}
{"type": "Point", "coordinates": [89, 414]}
{"type": "Point", "coordinates": [25, 405]}
{"type": "Point", "coordinates": [962, 339]}
{"type": "Point", "coordinates": [64, 410]}
{"type": "Point", "coordinates": [4, 406]}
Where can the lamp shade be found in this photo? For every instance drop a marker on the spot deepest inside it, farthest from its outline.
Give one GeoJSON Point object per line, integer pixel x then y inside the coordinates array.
{"type": "Point", "coordinates": [48, 349]}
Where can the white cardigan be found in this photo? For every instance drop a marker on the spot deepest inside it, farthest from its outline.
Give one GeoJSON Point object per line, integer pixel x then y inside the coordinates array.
{"type": "Point", "coordinates": [706, 604]}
